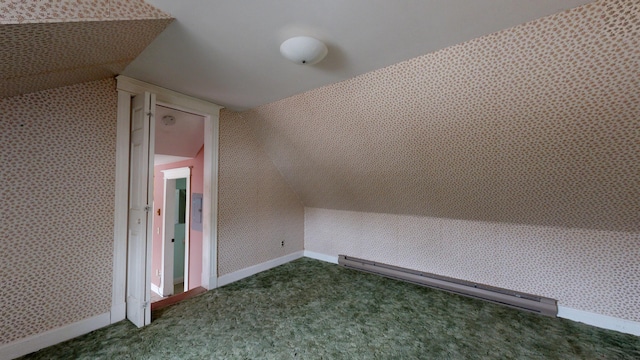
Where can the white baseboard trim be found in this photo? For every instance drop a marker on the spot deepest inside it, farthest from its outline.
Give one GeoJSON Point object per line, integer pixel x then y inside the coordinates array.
{"type": "Point", "coordinates": [211, 284]}
{"type": "Point", "coordinates": [601, 321]}
{"type": "Point", "coordinates": [118, 312]}
{"type": "Point", "coordinates": [321, 257]}
{"type": "Point", "coordinates": [55, 336]}
{"type": "Point", "coordinates": [598, 320]}
{"type": "Point", "coordinates": [156, 289]}
{"type": "Point", "coordinates": [252, 270]}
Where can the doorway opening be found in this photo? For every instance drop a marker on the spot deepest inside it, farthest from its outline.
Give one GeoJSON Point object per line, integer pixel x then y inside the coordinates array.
{"type": "Point", "coordinates": [177, 223]}
{"type": "Point", "coordinates": [134, 200]}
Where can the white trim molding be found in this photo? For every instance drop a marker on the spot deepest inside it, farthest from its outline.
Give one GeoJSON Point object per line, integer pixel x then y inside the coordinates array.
{"type": "Point", "coordinates": [255, 269]}
{"type": "Point", "coordinates": [589, 318]}
{"type": "Point", "coordinates": [118, 312]}
{"type": "Point", "coordinates": [601, 321]}
{"type": "Point", "coordinates": [177, 100]}
{"type": "Point", "coordinates": [209, 277]}
{"type": "Point", "coordinates": [55, 336]}
{"type": "Point", "coordinates": [156, 289]}
{"type": "Point", "coordinates": [321, 257]}
{"type": "Point", "coordinates": [177, 173]}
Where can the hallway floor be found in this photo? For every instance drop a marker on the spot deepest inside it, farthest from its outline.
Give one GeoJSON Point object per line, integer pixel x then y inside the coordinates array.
{"type": "Point", "coordinates": [177, 289]}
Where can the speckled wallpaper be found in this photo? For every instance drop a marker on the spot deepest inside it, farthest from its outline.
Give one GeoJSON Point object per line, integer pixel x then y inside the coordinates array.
{"type": "Point", "coordinates": [592, 270]}
{"type": "Point", "coordinates": [27, 11]}
{"type": "Point", "coordinates": [257, 209]}
{"type": "Point", "coordinates": [538, 124]}
{"type": "Point", "coordinates": [58, 172]}
{"type": "Point", "coordinates": [49, 44]}
{"type": "Point", "coordinates": [520, 150]}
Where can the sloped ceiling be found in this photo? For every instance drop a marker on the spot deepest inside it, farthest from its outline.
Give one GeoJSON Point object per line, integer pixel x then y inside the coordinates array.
{"type": "Point", "coordinates": [57, 43]}
{"type": "Point", "coordinates": [537, 124]}
{"type": "Point", "coordinates": [228, 51]}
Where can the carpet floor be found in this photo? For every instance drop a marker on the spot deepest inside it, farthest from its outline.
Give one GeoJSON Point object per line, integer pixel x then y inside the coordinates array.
{"type": "Point", "coordinates": [308, 309]}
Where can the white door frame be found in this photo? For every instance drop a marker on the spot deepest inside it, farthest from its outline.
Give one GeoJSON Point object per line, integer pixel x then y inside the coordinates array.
{"type": "Point", "coordinates": [127, 88]}
{"type": "Point", "coordinates": [166, 277]}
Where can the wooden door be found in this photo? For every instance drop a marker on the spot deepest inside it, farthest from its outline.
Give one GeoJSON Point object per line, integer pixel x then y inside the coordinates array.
{"type": "Point", "coordinates": [140, 204]}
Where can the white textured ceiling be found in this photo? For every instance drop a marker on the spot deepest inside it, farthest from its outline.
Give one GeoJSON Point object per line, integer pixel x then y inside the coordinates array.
{"type": "Point", "coordinates": [228, 51]}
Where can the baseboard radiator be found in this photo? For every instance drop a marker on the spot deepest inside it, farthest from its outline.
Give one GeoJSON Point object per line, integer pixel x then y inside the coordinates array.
{"type": "Point", "coordinates": [532, 303]}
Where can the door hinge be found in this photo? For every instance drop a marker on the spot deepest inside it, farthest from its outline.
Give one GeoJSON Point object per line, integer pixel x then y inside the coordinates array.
{"type": "Point", "coordinates": [147, 208]}
{"type": "Point", "coordinates": [145, 304]}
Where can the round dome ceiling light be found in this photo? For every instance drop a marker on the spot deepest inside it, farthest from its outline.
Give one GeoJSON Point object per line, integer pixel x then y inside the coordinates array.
{"type": "Point", "coordinates": [168, 120]}
{"type": "Point", "coordinates": [304, 50]}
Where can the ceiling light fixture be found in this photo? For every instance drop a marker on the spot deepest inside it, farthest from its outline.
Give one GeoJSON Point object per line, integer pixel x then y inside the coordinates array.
{"type": "Point", "coordinates": [168, 120]}
{"type": "Point", "coordinates": [304, 50]}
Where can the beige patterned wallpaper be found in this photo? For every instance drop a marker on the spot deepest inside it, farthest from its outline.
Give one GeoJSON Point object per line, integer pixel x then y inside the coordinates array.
{"type": "Point", "coordinates": [512, 159]}
{"type": "Point", "coordinates": [58, 161]}
{"type": "Point", "coordinates": [591, 270]}
{"type": "Point", "coordinates": [257, 208]}
{"type": "Point", "coordinates": [538, 124]}
{"type": "Point", "coordinates": [41, 54]}
{"type": "Point", "coordinates": [29, 11]}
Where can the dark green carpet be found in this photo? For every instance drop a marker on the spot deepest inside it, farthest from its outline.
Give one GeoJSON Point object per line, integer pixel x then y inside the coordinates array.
{"type": "Point", "coordinates": [313, 310]}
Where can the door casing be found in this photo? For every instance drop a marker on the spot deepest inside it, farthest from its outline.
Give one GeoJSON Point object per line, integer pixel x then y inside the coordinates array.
{"type": "Point", "coordinates": [128, 88]}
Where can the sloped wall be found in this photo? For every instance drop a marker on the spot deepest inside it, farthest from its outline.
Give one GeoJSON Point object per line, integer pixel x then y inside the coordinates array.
{"type": "Point", "coordinates": [31, 11]}
{"type": "Point", "coordinates": [58, 173]}
{"type": "Point", "coordinates": [591, 270]}
{"type": "Point", "coordinates": [512, 159]}
{"type": "Point", "coordinates": [538, 124]}
{"type": "Point", "coordinates": [257, 209]}
{"type": "Point", "coordinates": [49, 44]}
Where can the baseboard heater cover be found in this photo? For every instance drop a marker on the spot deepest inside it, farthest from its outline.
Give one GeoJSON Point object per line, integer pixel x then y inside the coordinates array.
{"type": "Point", "coordinates": [514, 299]}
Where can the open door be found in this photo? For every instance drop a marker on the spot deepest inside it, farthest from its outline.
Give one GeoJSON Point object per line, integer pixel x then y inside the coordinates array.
{"type": "Point", "coordinates": [140, 202]}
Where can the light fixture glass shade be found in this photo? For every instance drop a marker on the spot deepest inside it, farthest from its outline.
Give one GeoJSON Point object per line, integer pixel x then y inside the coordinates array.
{"type": "Point", "coordinates": [304, 50]}
{"type": "Point", "coordinates": [168, 120]}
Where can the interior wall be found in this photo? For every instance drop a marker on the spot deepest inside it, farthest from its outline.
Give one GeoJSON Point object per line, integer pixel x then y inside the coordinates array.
{"type": "Point", "coordinates": [58, 171]}
{"type": "Point", "coordinates": [195, 237]}
{"type": "Point", "coordinates": [20, 12]}
{"type": "Point", "coordinates": [537, 124]}
{"type": "Point", "coordinates": [525, 141]}
{"type": "Point", "coordinates": [49, 41]}
{"type": "Point", "coordinates": [257, 209]}
{"type": "Point", "coordinates": [590, 270]}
